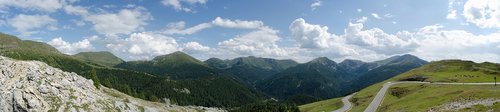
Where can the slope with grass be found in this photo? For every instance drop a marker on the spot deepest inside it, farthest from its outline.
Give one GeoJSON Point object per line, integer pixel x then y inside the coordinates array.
{"type": "Point", "coordinates": [322, 106]}
{"type": "Point", "coordinates": [402, 97]}
{"type": "Point", "coordinates": [102, 58]}
{"type": "Point", "coordinates": [439, 71]}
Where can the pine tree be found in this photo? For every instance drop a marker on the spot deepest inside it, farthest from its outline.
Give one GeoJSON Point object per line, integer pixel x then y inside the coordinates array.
{"type": "Point", "coordinates": [94, 78]}
{"type": "Point", "coordinates": [107, 83]}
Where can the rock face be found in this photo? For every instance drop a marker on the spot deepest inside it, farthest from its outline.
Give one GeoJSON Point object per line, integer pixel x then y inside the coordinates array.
{"type": "Point", "coordinates": [31, 86]}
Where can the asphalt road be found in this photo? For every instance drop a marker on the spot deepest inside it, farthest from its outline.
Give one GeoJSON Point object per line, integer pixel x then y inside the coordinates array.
{"type": "Point", "coordinates": [347, 104]}
{"type": "Point", "coordinates": [381, 93]}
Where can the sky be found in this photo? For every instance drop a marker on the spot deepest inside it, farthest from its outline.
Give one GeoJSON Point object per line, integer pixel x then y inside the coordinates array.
{"type": "Point", "coordinates": [301, 30]}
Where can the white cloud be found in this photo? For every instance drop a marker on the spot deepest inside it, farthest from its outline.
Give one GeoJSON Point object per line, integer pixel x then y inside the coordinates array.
{"type": "Point", "coordinates": [195, 47]}
{"type": "Point", "coordinates": [316, 4]}
{"type": "Point", "coordinates": [388, 15]}
{"type": "Point", "coordinates": [145, 45]}
{"type": "Point", "coordinates": [440, 44]}
{"type": "Point", "coordinates": [362, 20]}
{"type": "Point", "coordinates": [377, 40]}
{"type": "Point", "coordinates": [376, 16]}
{"type": "Point", "coordinates": [38, 5]}
{"type": "Point", "coordinates": [25, 23]}
{"type": "Point", "coordinates": [178, 28]}
{"type": "Point", "coordinates": [178, 4]}
{"type": "Point", "coordinates": [359, 10]}
{"type": "Point", "coordinates": [483, 13]}
{"type": "Point", "coordinates": [261, 42]}
{"type": "Point", "coordinates": [125, 21]}
{"type": "Point", "coordinates": [71, 48]}
{"type": "Point", "coordinates": [227, 23]}
{"type": "Point", "coordinates": [452, 13]}
{"type": "Point", "coordinates": [310, 36]}
{"type": "Point", "coordinates": [76, 10]}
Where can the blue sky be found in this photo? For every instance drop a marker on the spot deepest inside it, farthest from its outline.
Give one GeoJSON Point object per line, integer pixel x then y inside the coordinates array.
{"type": "Point", "coordinates": [285, 29]}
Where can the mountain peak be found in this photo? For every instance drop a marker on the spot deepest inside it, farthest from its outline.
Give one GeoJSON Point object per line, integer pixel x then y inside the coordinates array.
{"type": "Point", "coordinates": [322, 60]}
{"type": "Point", "coordinates": [176, 54]}
{"type": "Point", "coordinates": [177, 58]}
{"type": "Point", "coordinates": [100, 57]}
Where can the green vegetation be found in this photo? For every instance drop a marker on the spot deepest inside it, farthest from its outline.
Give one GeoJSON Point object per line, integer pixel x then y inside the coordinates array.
{"type": "Point", "coordinates": [432, 96]}
{"type": "Point", "coordinates": [93, 76]}
{"type": "Point", "coordinates": [251, 69]}
{"type": "Point", "coordinates": [154, 98]}
{"type": "Point", "coordinates": [268, 107]}
{"type": "Point", "coordinates": [322, 106]}
{"type": "Point", "coordinates": [438, 71]}
{"type": "Point", "coordinates": [215, 90]}
{"type": "Point", "coordinates": [323, 78]}
{"type": "Point", "coordinates": [103, 58]}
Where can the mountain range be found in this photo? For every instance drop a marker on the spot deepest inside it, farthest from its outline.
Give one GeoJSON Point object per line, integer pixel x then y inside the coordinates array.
{"type": "Point", "coordinates": [185, 80]}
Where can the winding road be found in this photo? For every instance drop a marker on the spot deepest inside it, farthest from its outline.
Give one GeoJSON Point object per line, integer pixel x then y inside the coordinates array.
{"type": "Point", "coordinates": [381, 93]}
{"type": "Point", "coordinates": [347, 104]}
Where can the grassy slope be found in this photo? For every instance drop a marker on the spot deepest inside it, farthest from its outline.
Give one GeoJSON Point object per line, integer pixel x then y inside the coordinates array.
{"type": "Point", "coordinates": [434, 95]}
{"type": "Point", "coordinates": [440, 71]}
{"type": "Point", "coordinates": [103, 58]}
{"type": "Point", "coordinates": [322, 106]}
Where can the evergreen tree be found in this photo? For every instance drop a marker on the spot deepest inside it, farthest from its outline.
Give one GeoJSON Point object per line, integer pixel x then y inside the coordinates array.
{"type": "Point", "coordinates": [107, 83]}
{"type": "Point", "coordinates": [93, 76]}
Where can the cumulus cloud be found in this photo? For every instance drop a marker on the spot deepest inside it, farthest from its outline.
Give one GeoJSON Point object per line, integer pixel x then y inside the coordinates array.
{"type": "Point", "coordinates": [144, 45]}
{"type": "Point", "coordinates": [459, 44]}
{"type": "Point", "coordinates": [483, 13]}
{"type": "Point", "coordinates": [25, 23]}
{"type": "Point", "coordinates": [195, 47]}
{"type": "Point", "coordinates": [35, 5]}
{"type": "Point", "coordinates": [316, 4]}
{"type": "Point", "coordinates": [178, 4]}
{"type": "Point", "coordinates": [71, 48]}
{"type": "Point", "coordinates": [359, 10]}
{"type": "Point", "coordinates": [310, 36]}
{"type": "Point", "coordinates": [125, 21]}
{"type": "Point", "coordinates": [377, 40]}
{"type": "Point", "coordinates": [260, 42]}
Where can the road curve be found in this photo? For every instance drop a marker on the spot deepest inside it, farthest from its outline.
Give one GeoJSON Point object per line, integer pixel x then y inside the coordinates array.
{"type": "Point", "coordinates": [381, 93]}
{"type": "Point", "coordinates": [347, 104]}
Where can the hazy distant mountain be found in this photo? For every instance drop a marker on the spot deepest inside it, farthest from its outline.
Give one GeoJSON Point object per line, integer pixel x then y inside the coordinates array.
{"type": "Point", "coordinates": [103, 58]}
{"type": "Point", "coordinates": [251, 69]}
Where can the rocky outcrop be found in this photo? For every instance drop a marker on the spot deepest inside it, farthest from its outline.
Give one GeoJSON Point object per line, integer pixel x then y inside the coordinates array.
{"type": "Point", "coordinates": [32, 86]}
